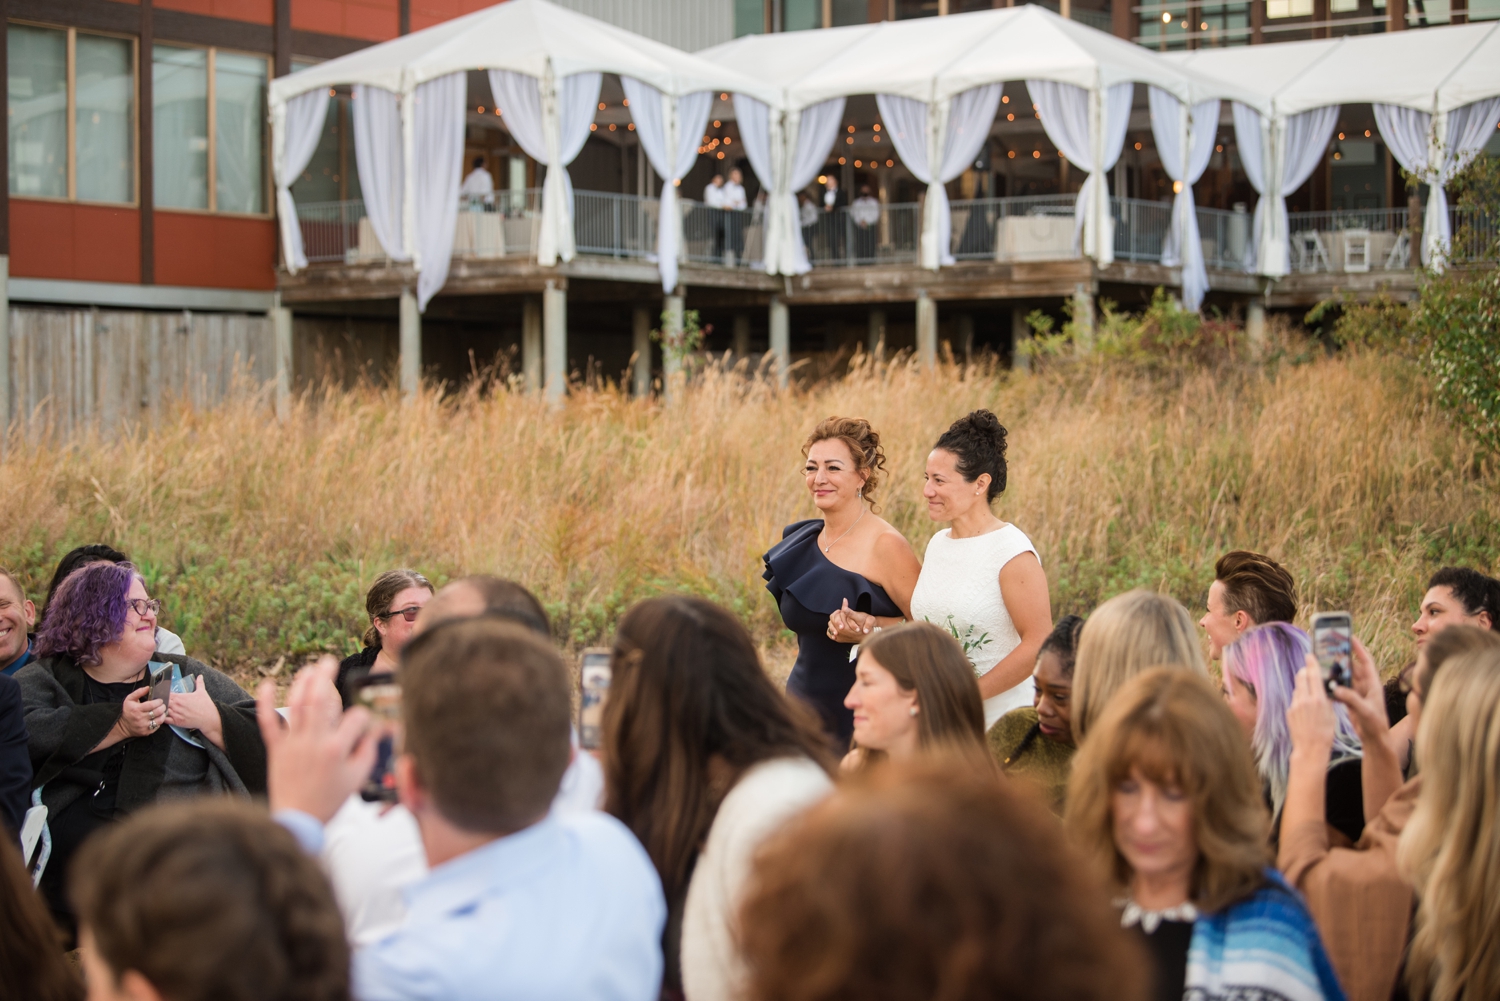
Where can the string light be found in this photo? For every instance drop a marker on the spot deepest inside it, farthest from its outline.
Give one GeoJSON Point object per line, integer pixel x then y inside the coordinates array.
{"type": "Point", "coordinates": [611, 126]}
{"type": "Point", "coordinates": [858, 164]}
{"type": "Point", "coordinates": [1011, 154]}
{"type": "Point", "coordinates": [841, 161]}
{"type": "Point", "coordinates": [876, 126]}
{"type": "Point", "coordinates": [1166, 17]}
{"type": "Point", "coordinates": [890, 163]}
{"type": "Point", "coordinates": [593, 127]}
{"type": "Point", "coordinates": [1005, 99]}
{"type": "Point", "coordinates": [717, 124]}
{"type": "Point", "coordinates": [1036, 154]}
{"type": "Point", "coordinates": [1010, 116]}
{"type": "Point", "coordinates": [723, 97]}
{"type": "Point", "coordinates": [601, 105]}
{"type": "Point", "coordinates": [1137, 145]}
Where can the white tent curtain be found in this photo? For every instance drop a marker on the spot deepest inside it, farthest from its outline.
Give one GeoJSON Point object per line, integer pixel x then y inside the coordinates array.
{"type": "Point", "coordinates": [1435, 149]}
{"type": "Point", "coordinates": [300, 131]}
{"type": "Point", "coordinates": [378, 155]}
{"type": "Point", "coordinates": [948, 133]}
{"type": "Point", "coordinates": [1185, 141]}
{"type": "Point", "coordinates": [1278, 160]}
{"type": "Point", "coordinates": [670, 129]}
{"type": "Point", "coordinates": [786, 155]}
{"type": "Point", "coordinates": [1092, 145]}
{"type": "Point", "coordinates": [438, 130]}
{"type": "Point", "coordinates": [551, 124]}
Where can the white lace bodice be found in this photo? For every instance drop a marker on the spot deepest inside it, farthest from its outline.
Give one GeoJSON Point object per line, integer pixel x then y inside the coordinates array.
{"type": "Point", "coordinates": [959, 590]}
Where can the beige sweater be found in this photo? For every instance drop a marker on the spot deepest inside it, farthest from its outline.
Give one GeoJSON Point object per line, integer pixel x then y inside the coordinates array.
{"type": "Point", "coordinates": [761, 802]}
{"type": "Point", "coordinates": [1361, 904]}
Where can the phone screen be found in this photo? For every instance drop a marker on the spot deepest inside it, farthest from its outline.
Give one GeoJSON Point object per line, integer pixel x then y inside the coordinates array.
{"type": "Point", "coordinates": [161, 683]}
{"type": "Point", "coordinates": [382, 696]}
{"type": "Point", "coordinates": [594, 678]}
{"type": "Point", "coordinates": [1333, 645]}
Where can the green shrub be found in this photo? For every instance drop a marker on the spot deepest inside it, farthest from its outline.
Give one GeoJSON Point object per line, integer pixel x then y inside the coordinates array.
{"type": "Point", "coordinates": [1458, 321]}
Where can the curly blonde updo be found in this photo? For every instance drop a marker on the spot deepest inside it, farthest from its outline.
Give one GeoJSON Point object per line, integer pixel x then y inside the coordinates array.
{"type": "Point", "coordinates": [863, 442]}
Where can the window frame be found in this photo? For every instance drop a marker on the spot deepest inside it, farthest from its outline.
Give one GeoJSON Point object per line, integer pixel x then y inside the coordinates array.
{"type": "Point", "coordinates": [268, 193]}
{"type": "Point", "coordinates": [71, 111]}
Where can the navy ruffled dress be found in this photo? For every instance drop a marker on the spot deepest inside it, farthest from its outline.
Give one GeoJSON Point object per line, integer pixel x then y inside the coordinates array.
{"type": "Point", "coordinates": [808, 588]}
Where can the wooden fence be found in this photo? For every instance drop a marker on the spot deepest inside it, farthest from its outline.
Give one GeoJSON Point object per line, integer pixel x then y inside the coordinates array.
{"type": "Point", "coordinates": [77, 368]}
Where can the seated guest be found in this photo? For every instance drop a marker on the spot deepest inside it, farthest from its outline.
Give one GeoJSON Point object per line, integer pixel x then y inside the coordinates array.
{"type": "Point", "coordinates": [393, 603]}
{"type": "Point", "coordinates": [1037, 744]}
{"type": "Point", "coordinates": [31, 950]}
{"type": "Point", "coordinates": [15, 759]}
{"type": "Point", "coordinates": [703, 758]}
{"type": "Point", "coordinates": [17, 619]}
{"type": "Point", "coordinates": [519, 902]}
{"type": "Point", "coordinates": [1165, 799]}
{"type": "Point", "coordinates": [930, 880]}
{"type": "Point", "coordinates": [166, 640]}
{"type": "Point", "coordinates": [373, 851]}
{"type": "Point", "coordinates": [1360, 899]}
{"type": "Point", "coordinates": [100, 746]}
{"type": "Point", "coordinates": [1126, 635]}
{"type": "Point", "coordinates": [1248, 590]}
{"type": "Point", "coordinates": [206, 901]}
{"type": "Point", "coordinates": [1451, 844]}
{"type": "Point", "coordinates": [1260, 673]}
{"type": "Point", "coordinates": [1456, 596]}
{"type": "Point", "coordinates": [914, 690]}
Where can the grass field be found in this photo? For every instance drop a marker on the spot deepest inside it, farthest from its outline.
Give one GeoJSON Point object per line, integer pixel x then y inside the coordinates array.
{"type": "Point", "coordinates": [260, 537]}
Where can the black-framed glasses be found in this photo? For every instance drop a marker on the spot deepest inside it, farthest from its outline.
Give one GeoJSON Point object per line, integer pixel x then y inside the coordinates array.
{"type": "Point", "coordinates": [409, 613]}
{"type": "Point", "coordinates": [144, 605]}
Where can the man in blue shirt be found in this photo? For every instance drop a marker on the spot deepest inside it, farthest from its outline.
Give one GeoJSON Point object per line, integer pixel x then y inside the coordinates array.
{"type": "Point", "coordinates": [518, 904]}
{"type": "Point", "coordinates": [17, 618]}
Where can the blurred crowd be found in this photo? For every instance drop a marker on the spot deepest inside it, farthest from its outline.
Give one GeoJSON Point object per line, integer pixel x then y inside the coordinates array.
{"type": "Point", "coordinates": [954, 796]}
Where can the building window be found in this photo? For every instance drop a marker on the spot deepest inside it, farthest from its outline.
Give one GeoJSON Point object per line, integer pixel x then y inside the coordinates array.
{"type": "Point", "coordinates": [208, 122]}
{"type": "Point", "coordinates": [60, 77]}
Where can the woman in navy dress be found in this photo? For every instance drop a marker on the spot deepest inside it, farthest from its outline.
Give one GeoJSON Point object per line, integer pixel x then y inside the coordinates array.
{"type": "Point", "coordinates": [851, 558]}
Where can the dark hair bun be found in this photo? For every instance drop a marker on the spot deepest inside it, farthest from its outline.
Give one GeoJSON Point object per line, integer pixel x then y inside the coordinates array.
{"type": "Point", "coordinates": [978, 441]}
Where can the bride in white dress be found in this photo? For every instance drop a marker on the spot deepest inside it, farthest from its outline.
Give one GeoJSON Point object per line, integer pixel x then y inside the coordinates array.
{"type": "Point", "coordinates": [981, 578]}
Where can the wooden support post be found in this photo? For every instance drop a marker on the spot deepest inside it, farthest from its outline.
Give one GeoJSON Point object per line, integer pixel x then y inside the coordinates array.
{"type": "Point", "coordinates": [5, 400]}
{"type": "Point", "coordinates": [411, 345]}
{"type": "Point", "coordinates": [531, 343]}
{"type": "Point", "coordinates": [1020, 332]}
{"type": "Point", "coordinates": [876, 342]}
{"type": "Point", "coordinates": [281, 329]}
{"type": "Point", "coordinates": [555, 341]}
{"type": "Point", "coordinates": [640, 332]}
{"type": "Point", "coordinates": [741, 336]}
{"type": "Point", "coordinates": [781, 339]}
{"type": "Point", "coordinates": [965, 324]}
{"type": "Point", "coordinates": [927, 324]}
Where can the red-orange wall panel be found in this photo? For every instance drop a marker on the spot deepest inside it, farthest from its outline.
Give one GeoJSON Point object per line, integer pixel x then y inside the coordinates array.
{"type": "Point", "coordinates": [215, 251]}
{"type": "Point", "coordinates": [78, 242]}
{"type": "Point", "coordinates": [254, 11]}
{"type": "Point", "coordinates": [372, 20]}
{"type": "Point", "coordinates": [426, 13]}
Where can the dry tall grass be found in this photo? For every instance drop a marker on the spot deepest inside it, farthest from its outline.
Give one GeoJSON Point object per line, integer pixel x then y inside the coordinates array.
{"type": "Point", "coordinates": [260, 537]}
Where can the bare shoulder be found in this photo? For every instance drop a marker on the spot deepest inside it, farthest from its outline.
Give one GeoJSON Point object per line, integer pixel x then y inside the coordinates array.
{"type": "Point", "coordinates": [889, 542]}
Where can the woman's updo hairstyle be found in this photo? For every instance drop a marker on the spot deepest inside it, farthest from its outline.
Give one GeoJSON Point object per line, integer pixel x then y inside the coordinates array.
{"type": "Point", "coordinates": [863, 443]}
{"type": "Point", "coordinates": [978, 442]}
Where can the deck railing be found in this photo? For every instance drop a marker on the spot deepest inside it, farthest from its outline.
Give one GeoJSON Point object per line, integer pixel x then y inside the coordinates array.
{"type": "Point", "coordinates": [1032, 228]}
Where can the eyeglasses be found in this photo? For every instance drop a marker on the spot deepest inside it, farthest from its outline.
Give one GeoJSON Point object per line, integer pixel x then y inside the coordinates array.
{"type": "Point", "coordinates": [144, 605]}
{"type": "Point", "coordinates": [409, 613]}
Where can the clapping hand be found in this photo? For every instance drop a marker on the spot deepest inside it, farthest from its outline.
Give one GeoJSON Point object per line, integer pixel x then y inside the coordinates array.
{"type": "Point", "coordinates": [319, 756]}
{"type": "Point", "coordinates": [849, 626]}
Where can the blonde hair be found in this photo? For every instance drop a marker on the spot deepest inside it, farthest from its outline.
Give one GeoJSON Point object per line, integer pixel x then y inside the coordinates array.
{"type": "Point", "coordinates": [1174, 727]}
{"type": "Point", "coordinates": [1126, 635]}
{"type": "Point", "coordinates": [1450, 850]}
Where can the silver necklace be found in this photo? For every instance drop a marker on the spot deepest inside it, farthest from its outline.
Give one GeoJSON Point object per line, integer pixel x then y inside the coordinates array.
{"type": "Point", "coordinates": [851, 528]}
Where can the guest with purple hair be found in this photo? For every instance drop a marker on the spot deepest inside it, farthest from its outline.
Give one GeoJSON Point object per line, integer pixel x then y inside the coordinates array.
{"type": "Point", "coordinates": [100, 746]}
{"type": "Point", "coordinates": [1260, 676]}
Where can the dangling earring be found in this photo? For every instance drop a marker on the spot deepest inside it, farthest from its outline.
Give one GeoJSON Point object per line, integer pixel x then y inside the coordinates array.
{"type": "Point", "coordinates": [859, 494]}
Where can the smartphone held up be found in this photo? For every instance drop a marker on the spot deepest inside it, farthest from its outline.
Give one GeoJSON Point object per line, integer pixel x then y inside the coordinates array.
{"type": "Point", "coordinates": [593, 676]}
{"type": "Point", "coordinates": [1333, 646]}
{"type": "Point", "coordinates": [381, 695]}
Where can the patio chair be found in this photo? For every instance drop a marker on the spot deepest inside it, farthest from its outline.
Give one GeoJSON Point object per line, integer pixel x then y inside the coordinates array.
{"type": "Point", "coordinates": [1356, 250]}
{"type": "Point", "coordinates": [1309, 251]}
{"type": "Point", "coordinates": [1399, 259]}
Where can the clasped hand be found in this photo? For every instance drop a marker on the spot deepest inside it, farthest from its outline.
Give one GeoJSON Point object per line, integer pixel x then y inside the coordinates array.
{"type": "Point", "coordinates": [849, 626]}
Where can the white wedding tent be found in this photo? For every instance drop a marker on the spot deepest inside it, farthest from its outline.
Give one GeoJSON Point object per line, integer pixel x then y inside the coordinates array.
{"type": "Point", "coordinates": [545, 65]}
{"type": "Point", "coordinates": [938, 83]}
{"type": "Point", "coordinates": [1436, 95]}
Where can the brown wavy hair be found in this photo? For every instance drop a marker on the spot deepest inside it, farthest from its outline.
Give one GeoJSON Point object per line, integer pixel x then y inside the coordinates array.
{"type": "Point", "coordinates": [31, 948]}
{"type": "Point", "coordinates": [689, 710]}
{"type": "Point", "coordinates": [1258, 586]}
{"type": "Point", "coordinates": [1173, 726]}
{"type": "Point", "coordinates": [924, 658]}
{"type": "Point", "coordinates": [211, 900]}
{"type": "Point", "coordinates": [863, 442]}
{"type": "Point", "coordinates": [931, 879]}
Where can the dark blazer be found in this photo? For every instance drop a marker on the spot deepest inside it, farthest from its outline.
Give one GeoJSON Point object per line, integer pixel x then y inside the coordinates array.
{"type": "Point", "coordinates": [15, 760]}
